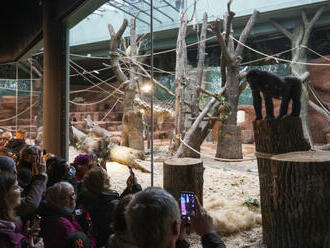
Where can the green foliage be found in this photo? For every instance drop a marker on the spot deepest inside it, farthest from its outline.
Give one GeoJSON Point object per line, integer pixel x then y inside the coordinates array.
{"type": "Point", "coordinates": [252, 203]}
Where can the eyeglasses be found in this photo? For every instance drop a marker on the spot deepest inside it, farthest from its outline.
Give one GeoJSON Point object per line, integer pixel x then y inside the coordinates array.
{"type": "Point", "coordinates": [72, 196]}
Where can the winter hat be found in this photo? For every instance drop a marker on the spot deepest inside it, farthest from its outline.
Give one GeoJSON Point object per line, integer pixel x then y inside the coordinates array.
{"type": "Point", "coordinates": [77, 240]}
{"type": "Point", "coordinates": [6, 164]}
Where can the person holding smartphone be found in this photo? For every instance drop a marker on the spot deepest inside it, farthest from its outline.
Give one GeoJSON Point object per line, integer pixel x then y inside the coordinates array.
{"type": "Point", "coordinates": [154, 220]}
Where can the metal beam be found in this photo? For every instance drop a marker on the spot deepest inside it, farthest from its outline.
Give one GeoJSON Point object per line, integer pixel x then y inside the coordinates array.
{"type": "Point", "coordinates": [159, 10]}
{"type": "Point", "coordinates": [113, 5]}
{"type": "Point", "coordinates": [171, 5]}
{"type": "Point", "coordinates": [143, 11]}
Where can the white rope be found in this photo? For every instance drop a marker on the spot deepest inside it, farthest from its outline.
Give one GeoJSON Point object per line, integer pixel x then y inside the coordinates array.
{"type": "Point", "coordinates": [100, 80]}
{"type": "Point", "coordinates": [16, 121]}
{"type": "Point", "coordinates": [15, 116]}
{"type": "Point", "coordinates": [31, 95]}
{"type": "Point", "coordinates": [275, 58]}
{"type": "Point", "coordinates": [93, 103]}
{"type": "Point", "coordinates": [318, 100]}
{"type": "Point", "coordinates": [320, 55]}
{"type": "Point", "coordinates": [110, 110]}
{"type": "Point", "coordinates": [218, 159]}
{"type": "Point", "coordinates": [263, 58]}
{"type": "Point", "coordinates": [92, 71]}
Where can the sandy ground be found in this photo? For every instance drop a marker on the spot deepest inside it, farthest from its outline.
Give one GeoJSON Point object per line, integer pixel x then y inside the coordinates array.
{"type": "Point", "coordinates": [230, 181]}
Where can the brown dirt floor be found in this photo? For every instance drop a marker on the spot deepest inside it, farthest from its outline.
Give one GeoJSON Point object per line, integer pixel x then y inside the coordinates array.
{"type": "Point", "coordinates": [227, 180]}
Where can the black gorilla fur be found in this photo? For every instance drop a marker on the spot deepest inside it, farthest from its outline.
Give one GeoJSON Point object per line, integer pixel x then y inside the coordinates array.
{"type": "Point", "coordinates": [285, 88]}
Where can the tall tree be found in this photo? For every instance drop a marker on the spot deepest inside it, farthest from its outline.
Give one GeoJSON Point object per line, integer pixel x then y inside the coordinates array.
{"type": "Point", "coordinates": [132, 123]}
{"type": "Point", "coordinates": [180, 78]}
{"type": "Point", "coordinates": [229, 139]}
{"type": "Point", "coordinates": [299, 38]}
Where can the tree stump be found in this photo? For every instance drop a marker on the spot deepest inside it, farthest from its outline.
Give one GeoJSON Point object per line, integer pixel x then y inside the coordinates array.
{"type": "Point", "coordinates": [271, 138]}
{"type": "Point", "coordinates": [229, 134]}
{"type": "Point", "coordinates": [299, 199]}
{"type": "Point", "coordinates": [183, 174]}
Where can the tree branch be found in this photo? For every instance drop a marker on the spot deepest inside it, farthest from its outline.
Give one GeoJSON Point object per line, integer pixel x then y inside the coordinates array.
{"type": "Point", "coordinates": [319, 109]}
{"type": "Point", "coordinates": [281, 29]}
{"type": "Point", "coordinates": [242, 87]}
{"type": "Point", "coordinates": [308, 26]}
{"type": "Point", "coordinates": [304, 18]}
{"type": "Point", "coordinates": [230, 16]}
{"type": "Point", "coordinates": [193, 128]}
{"type": "Point", "coordinates": [114, 44]}
{"type": "Point", "coordinates": [221, 41]}
{"type": "Point", "coordinates": [317, 16]}
{"type": "Point", "coordinates": [304, 76]}
{"type": "Point", "coordinates": [246, 32]}
{"type": "Point", "coordinates": [216, 96]}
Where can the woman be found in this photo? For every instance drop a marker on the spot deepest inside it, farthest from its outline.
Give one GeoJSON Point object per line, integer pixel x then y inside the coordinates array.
{"type": "Point", "coordinates": [10, 198]}
{"type": "Point", "coordinates": [58, 219]}
{"type": "Point", "coordinates": [99, 200]}
{"type": "Point", "coordinates": [82, 164]}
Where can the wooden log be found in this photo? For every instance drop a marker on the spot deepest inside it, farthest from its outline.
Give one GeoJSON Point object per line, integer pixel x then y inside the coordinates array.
{"type": "Point", "coordinates": [183, 174]}
{"type": "Point", "coordinates": [299, 199]}
{"type": "Point", "coordinates": [128, 156]}
{"type": "Point", "coordinates": [274, 137]}
{"type": "Point", "coordinates": [229, 134]}
{"type": "Point", "coordinates": [279, 136]}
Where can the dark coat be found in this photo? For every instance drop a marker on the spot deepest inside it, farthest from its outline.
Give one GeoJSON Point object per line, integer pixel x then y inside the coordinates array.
{"type": "Point", "coordinates": [100, 209]}
{"type": "Point", "coordinates": [56, 226]}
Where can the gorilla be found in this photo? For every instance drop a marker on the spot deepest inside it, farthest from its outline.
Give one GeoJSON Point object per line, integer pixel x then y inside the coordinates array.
{"type": "Point", "coordinates": [272, 86]}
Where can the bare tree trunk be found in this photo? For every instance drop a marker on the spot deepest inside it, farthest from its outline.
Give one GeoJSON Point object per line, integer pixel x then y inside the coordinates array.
{"type": "Point", "coordinates": [230, 62]}
{"type": "Point", "coordinates": [132, 123]}
{"type": "Point", "coordinates": [299, 40]}
{"type": "Point", "coordinates": [180, 76]}
{"type": "Point", "coordinates": [194, 136]}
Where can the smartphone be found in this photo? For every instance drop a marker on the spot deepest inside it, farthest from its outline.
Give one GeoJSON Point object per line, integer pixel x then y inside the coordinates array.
{"type": "Point", "coordinates": [187, 204]}
{"type": "Point", "coordinates": [131, 171]}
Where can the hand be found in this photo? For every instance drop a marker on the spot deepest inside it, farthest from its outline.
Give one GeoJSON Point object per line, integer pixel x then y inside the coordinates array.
{"type": "Point", "coordinates": [201, 221]}
{"type": "Point", "coordinates": [38, 168]}
{"type": "Point", "coordinates": [183, 229]}
{"type": "Point", "coordinates": [131, 180]}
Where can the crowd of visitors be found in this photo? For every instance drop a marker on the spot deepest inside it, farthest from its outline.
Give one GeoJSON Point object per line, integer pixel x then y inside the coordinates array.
{"type": "Point", "coordinates": [47, 202]}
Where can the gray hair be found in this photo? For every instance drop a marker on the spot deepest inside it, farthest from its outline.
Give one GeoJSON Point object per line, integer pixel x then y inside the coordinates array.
{"type": "Point", "coordinates": [55, 194]}
{"type": "Point", "coordinates": [150, 217]}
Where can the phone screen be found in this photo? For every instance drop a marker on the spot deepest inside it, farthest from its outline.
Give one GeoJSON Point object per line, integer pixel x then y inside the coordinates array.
{"type": "Point", "coordinates": [187, 204]}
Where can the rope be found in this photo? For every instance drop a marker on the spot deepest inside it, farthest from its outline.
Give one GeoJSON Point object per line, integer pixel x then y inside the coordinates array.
{"type": "Point", "coordinates": [100, 80]}
{"type": "Point", "coordinates": [110, 110]}
{"type": "Point", "coordinates": [93, 103]}
{"type": "Point", "coordinates": [31, 95]}
{"type": "Point", "coordinates": [218, 159]}
{"type": "Point", "coordinates": [10, 118]}
{"type": "Point", "coordinates": [275, 54]}
{"type": "Point", "coordinates": [275, 58]}
{"type": "Point", "coordinates": [263, 155]}
{"type": "Point", "coordinates": [318, 100]}
{"type": "Point", "coordinates": [16, 108]}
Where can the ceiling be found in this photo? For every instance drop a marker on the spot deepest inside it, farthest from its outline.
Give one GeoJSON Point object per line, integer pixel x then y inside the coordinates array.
{"type": "Point", "coordinates": [21, 23]}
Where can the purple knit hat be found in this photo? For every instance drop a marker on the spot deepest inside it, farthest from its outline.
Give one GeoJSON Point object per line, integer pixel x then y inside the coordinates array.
{"type": "Point", "coordinates": [80, 159]}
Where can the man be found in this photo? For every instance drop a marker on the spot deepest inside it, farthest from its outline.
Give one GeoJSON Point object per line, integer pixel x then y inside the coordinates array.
{"type": "Point", "coordinates": [153, 220]}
